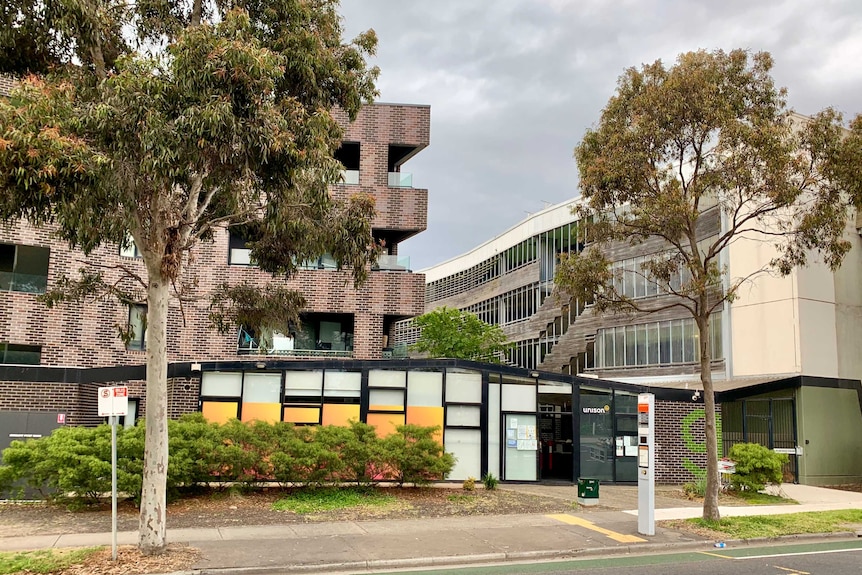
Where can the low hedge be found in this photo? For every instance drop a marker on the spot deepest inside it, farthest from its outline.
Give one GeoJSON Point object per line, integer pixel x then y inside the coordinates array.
{"type": "Point", "coordinates": [76, 461]}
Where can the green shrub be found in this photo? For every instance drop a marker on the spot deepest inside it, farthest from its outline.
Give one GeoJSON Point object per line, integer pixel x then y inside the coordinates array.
{"type": "Point", "coordinates": [469, 484]}
{"type": "Point", "coordinates": [489, 481]}
{"type": "Point", "coordinates": [77, 460]}
{"type": "Point", "coordinates": [362, 454]}
{"type": "Point", "coordinates": [756, 466]}
{"type": "Point", "coordinates": [412, 455]}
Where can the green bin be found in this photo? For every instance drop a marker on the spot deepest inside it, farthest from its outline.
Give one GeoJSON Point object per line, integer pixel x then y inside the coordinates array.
{"type": "Point", "coordinates": [588, 488]}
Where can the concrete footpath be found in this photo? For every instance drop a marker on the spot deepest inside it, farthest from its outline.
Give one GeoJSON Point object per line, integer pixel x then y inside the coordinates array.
{"type": "Point", "coordinates": [356, 546]}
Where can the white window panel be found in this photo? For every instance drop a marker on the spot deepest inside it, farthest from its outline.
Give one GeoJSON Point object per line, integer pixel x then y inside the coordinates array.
{"type": "Point", "coordinates": [221, 384]}
{"type": "Point", "coordinates": [424, 389]}
{"type": "Point", "coordinates": [262, 388]}
{"type": "Point", "coordinates": [297, 383]}
{"type": "Point", "coordinates": [386, 397]}
{"type": "Point", "coordinates": [342, 384]}
{"type": "Point", "coordinates": [463, 387]}
{"type": "Point", "coordinates": [519, 397]}
{"type": "Point", "coordinates": [466, 446]}
{"type": "Point", "coordinates": [463, 415]}
{"type": "Point", "coordinates": [386, 378]}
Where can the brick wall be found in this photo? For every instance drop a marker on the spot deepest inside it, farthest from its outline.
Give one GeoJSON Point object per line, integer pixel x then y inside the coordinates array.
{"type": "Point", "coordinates": [85, 335]}
{"type": "Point", "coordinates": [79, 401]}
{"type": "Point", "coordinates": [680, 440]}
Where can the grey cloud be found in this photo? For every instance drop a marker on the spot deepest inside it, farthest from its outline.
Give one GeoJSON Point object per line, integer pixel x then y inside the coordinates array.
{"type": "Point", "coordinates": [513, 84]}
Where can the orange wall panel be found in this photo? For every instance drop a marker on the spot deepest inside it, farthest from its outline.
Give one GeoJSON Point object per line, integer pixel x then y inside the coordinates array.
{"type": "Point", "coordinates": [219, 411]}
{"type": "Point", "coordinates": [339, 413]}
{"type": "Point", "coordinates": [385, 422]}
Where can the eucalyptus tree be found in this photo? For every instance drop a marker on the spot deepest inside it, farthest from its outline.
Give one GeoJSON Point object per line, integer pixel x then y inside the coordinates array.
{"type": "Point", "coordinates": [710, 131]}
{"type": "Point", "coordinates": [453, 333]}
{"type": "Point", "coordinates": [164, 120]}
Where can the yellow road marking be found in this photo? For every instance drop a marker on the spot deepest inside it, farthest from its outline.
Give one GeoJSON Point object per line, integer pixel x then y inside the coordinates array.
{"type": "Point", "coordinates": [571, 520]}
{"type": "Point", "coordinates": [714, 554]}
{"type": "Point", "coordinates": [794, 571]}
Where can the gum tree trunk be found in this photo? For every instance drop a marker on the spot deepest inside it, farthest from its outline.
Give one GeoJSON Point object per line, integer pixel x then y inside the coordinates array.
{"type": "Point", "coordinates": [710, 497]}
{"type": "Point", "coordinates": [152, 529]}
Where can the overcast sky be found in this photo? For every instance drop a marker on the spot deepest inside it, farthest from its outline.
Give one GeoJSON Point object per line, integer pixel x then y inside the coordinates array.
{"type": "Point", "coordinates": [513, 85]}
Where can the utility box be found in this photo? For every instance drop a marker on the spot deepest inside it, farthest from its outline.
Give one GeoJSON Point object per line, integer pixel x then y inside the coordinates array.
{"type": "Point", "coordinates": [588, 491]}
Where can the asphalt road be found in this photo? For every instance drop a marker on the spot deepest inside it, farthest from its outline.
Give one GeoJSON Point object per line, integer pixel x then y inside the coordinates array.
{"type": "Point", "coordinates": [827, 558]}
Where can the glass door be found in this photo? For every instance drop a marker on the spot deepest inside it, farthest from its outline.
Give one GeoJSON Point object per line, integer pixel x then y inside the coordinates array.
{"type": "Point", "coordinates": [625, 437]}
{"type": "Point", "coordinates": [521, 446]}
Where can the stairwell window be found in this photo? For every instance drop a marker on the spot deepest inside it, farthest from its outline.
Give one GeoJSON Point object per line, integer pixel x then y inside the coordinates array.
{"type": "Point", "coordinates": [138, 327]}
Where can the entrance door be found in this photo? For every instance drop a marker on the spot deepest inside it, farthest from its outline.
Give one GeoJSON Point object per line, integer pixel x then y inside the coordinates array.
{"type": "Point", "coordinates": [626, 441]}
{"type": "Point", "coordinates": [556, 435]}
{"type": "Point", "coordinates": [555, 445]}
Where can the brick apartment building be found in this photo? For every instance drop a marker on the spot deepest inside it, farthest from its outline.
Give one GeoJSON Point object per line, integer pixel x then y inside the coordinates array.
{"type": "Point", "coordinates": [340, 321]}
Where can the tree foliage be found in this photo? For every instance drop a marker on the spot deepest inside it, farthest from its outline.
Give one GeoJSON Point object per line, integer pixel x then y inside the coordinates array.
{"type": "Point", "coordinates": [167, 120]}
{"type": "Point", "coordinates": [452, 333]}
{"type": "Point", "coordinates": [674, 144]}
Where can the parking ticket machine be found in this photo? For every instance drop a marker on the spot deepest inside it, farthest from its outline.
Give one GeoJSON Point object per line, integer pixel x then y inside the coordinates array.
{"type": "Point", "coordinates": [646, 463]}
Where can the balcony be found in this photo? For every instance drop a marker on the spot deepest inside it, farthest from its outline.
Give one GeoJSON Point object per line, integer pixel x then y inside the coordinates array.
{"type": "Point", "coordinates": [350, 177]}
{"type": "Point", "coordinates": [400, 180]}
{"type": "Point", "coordinates": [387, 263]}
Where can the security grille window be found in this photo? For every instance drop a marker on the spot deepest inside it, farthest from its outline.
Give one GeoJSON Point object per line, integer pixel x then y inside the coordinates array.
{"type": "Point", "coordinates": [630, 279]}
{"type": "Point", "coordinates": [138, 327]}
{"type": "Point", "coordinates": [523, 353]}
{"type": "Point", "coordinates": [11, 353]}
{"type": "Point", "coordinates": [544, 248]}
{"type": "Point", "coordinates": [655, 343]}
{"type": "Point", "coordinates": [511, 307]}
{"type": "Point", "coordinates": [23, 268]}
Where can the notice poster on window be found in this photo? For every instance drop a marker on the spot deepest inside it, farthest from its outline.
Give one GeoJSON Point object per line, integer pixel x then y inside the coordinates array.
{"type": "Point", "coordinates": [512, 443]}
{"type": "Point", "coordinates": [527, 444]}
{"type": "Point", "coordinates": [620, 449]}
{"type": "Point", "coordinates": [531, 432]}
{"type": "Point", "coordinates": [513, 423]}
{"type": "Point", "coordinates": [522, 432]}
{"type": "Point", "coordinates": [510, 434]}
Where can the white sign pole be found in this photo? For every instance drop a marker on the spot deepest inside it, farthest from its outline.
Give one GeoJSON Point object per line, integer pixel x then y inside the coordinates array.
{"type": "Point", "coordinates": [114, 487]}
{"type": "Point", "coordinates": [113, 402]}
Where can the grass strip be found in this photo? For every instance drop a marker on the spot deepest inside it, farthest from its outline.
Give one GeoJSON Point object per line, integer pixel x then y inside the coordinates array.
{"type": "Point", "coordinates": [43, 560]}
{"type": "Point", "coordinates": [308, 501]}
{"type": "Point", "coordinates": [785, 524]}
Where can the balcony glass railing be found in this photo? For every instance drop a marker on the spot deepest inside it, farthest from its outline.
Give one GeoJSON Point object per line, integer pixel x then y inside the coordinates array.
{"type": "Point", "coordinates": [23, 282]}
{"type": "Point", "coordinates": [350, 177]}
{"type": "Point", "coordinates": [400, 180]}
{"type": "Point", "coordinates": [389, 263]}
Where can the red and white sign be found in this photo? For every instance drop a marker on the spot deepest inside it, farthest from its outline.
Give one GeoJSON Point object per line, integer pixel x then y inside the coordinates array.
{"type": "Point", "coordinates": [113, 401]}
{"type": "Point", "coordinates": [61, 418]}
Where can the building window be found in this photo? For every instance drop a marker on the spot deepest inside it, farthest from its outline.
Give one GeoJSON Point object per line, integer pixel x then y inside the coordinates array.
{"type": "Point", "coordinates": [655, 343]}
{"type": "Point", "coordinates": [348, 155]}
{"type": "Point", "coordinates": [128, 249]}
{"type": "Point", "coordinates": [239, 254]}
{"type": "Point", "coordinates": [23, 268]}
{"type": "Point", "coordinates": [138, 327]}
{"type": "Point", "coordinates": [20, 354]}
